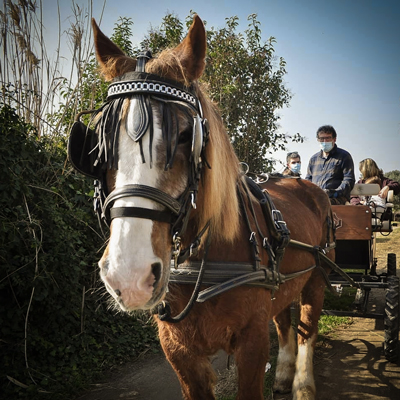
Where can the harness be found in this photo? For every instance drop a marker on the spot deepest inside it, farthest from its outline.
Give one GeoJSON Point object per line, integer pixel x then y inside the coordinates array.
{"type": "Point", "coordinates": [223, 276]}
{"type": "Point", "coordinates": [94, 152]}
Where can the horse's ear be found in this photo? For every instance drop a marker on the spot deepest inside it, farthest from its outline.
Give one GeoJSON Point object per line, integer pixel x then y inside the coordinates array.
{"type": "Point", "coordinates": [112, 60]}
{"type": "Point", "coordinates": [192, 50]}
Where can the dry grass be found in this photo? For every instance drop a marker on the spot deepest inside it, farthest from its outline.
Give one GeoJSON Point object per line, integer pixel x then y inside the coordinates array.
{"type": "Point", "coordinates": [388, 244]}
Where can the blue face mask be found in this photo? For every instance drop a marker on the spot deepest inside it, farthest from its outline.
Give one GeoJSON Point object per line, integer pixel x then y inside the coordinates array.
{"type": "Point", "coordinates": [295, 168]}
{"type": "Point", "coordinates": [326, 146]}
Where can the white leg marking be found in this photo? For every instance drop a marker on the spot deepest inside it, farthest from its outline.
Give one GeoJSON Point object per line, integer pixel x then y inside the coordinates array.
{"type": "Point", "coordinates": [285, 368]}
{"type": "Point", "coordinates": [303, 384]}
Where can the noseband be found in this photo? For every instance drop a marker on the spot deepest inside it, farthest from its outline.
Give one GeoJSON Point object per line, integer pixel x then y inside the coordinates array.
{"type": "Point", "coordinates": [94, 153]}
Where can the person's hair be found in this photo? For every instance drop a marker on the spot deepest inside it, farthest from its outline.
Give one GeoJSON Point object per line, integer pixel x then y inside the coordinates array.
{"type": "Point", "coordinates": [369, 168]}
{"type": "Point", "coordinates": [374, 179]}
{"type": "Point", "coordinates": [292, 154]}
{"type": "Point", "coordinates": [329, 129]}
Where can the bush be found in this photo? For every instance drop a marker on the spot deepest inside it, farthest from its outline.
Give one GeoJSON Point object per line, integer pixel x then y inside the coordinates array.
{"type": "Point", "coordinates": [56, 332]}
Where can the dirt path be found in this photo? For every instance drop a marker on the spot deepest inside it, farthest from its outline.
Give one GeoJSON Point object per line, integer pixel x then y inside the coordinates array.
{"type": "Point", "coordinates": [352, 365]}
{"type": "Point", "coordinates": [349, 365]}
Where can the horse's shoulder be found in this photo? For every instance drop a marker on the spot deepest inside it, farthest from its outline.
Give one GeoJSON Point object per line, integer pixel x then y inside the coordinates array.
{"type": "Point", "coordinates": [295, 193]}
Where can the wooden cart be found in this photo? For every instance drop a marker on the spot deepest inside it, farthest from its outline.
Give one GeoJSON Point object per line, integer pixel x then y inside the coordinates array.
{"type": "Point", "coordinates": [356, 231]}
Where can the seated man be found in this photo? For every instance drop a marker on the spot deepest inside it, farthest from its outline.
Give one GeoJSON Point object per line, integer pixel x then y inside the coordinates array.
{"type": "Point", "coordinates": [332, 168]}
{"type": "Point", "coordinates": [293, 164]}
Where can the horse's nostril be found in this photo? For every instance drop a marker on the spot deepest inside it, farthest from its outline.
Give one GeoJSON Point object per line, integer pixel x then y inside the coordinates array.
{"type": "Point", "coordinates": [117, 292]}
{"type": "Point", "coordinates": [156, 270]}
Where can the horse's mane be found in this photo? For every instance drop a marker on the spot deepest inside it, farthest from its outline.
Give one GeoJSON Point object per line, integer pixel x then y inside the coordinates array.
{"type": "Point", "coordinates": [220, 202]}
{"type": "Point", "coordinates": [217, 199]}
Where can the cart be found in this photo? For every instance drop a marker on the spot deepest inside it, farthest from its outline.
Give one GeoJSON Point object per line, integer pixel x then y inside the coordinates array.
{"type": "Point", "coordinates": [356, 231]}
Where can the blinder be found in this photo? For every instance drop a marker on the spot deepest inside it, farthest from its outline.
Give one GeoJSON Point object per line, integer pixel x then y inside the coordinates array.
{"type": "Point", "coordinates": [83, 150]}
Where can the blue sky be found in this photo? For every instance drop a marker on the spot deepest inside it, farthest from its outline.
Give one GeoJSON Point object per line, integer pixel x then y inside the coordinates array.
{"type": "Point", "coordinates": [343, 62]}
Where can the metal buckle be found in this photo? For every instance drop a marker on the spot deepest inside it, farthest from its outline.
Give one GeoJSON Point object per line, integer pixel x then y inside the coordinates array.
{"type": "Point", "coordinates": [177, 241]}
{"type": "Point", "coordinates": [277, 217]}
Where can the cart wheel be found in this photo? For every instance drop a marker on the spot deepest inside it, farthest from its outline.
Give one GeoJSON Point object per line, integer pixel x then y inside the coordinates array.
{"type": "Point", "coordinates": [391, 264]}
{"type": "Point", "coordinates": [391, 318]}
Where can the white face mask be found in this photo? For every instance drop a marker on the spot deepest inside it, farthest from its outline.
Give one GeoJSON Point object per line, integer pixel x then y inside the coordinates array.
{"type": "Point", "coordinates": [326, 146]}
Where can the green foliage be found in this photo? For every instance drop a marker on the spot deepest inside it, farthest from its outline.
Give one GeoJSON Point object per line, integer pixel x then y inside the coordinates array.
{"type": "Point", "coordinates": [169, 34]}
{"type": "Point", "coordinates": [121, 36]}
{"type": "Point", "coordinates": [328, 323]}
{"type": "Point", "coordinates": [55, 329]}
{"type": "Point", "coordinates": [344, 302]}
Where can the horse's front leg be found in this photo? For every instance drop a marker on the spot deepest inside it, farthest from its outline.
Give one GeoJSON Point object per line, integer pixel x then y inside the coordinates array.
{"type": "Point", "coordinates": [286, 362]}
{"type": "Point", "coordinates": [195, 373]}
{"type": "Point", "coordinates": [251, 355]}
{"type": "Point", "coordinates": [312, 299]}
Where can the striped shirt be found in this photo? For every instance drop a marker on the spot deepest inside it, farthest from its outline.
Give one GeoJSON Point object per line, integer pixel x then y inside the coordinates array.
{"type": "Point", "coordinates": [335, 172]}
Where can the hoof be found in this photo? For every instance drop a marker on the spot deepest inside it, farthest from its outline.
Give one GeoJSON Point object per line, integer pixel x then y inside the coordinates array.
{"type": "Point", "coordinates": [282, 387]}
{"type": "Point", "coordinates": [305, 393]}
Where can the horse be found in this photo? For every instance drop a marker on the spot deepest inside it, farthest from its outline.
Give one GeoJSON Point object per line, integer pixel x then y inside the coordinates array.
{"type": "Point", "coordinates": [182, 213]}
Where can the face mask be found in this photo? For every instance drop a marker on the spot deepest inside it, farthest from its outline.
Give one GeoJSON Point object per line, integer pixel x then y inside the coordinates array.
{"type": "Point", "coordinates": [295, 168]}
{"type": "Point", "coordinates": [326, 146]}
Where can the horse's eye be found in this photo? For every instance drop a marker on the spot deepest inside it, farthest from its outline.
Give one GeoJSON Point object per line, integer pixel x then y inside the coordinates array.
{"type": "Point", "coordinates": [185, 136]}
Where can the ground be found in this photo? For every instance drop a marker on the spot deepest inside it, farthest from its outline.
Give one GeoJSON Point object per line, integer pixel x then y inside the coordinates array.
{"type": "Point", "coordinates": [348, 364]}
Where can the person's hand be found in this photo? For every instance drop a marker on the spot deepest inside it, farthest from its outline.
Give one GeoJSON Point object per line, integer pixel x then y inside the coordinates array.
{"type": "Point", "coordinates": [384, 192]}
{"type": "Point", "coordinates": [331, 193]}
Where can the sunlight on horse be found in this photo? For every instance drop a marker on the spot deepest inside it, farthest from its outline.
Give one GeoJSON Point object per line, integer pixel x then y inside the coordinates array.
{"type": "Point", "coordinates": [169, 149]}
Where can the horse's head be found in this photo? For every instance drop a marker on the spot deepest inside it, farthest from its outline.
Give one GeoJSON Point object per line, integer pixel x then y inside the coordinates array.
{"type": "Point", "coordinates": [151, 136]}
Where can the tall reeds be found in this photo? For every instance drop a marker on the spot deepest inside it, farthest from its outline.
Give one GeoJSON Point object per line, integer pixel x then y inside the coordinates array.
{"type": "Point", "coordinates": [32, 79]}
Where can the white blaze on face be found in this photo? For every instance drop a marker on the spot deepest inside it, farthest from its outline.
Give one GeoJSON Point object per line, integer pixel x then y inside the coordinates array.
{"type": "Point", "coordinates": [126, 266]}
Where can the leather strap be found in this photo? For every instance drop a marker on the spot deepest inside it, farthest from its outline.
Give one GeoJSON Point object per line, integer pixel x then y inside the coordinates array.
{"type": "Point", "coordinates": [147, 192]}
{"type": "Point", "coordinates": [138, 212]}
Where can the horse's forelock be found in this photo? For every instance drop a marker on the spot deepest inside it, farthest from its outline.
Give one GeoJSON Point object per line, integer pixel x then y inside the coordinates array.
{"type": "Point", "coordinates": [168, 65]}
{"type": "Point", "coordinates": [117, 66]}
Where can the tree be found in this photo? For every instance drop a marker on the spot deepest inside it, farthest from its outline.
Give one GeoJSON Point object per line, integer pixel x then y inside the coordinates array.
{"type": "Point", "coordinates": [248, 85]}
{"type": "Point", "coordinates": [245, 80]}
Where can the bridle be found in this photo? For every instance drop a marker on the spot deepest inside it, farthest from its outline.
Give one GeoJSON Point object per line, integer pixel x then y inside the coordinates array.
{"type": "Point", "coordinates": [143, 87]}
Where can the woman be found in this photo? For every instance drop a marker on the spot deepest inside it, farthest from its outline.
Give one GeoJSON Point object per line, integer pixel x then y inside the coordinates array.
{"type": "Point", "coordinates": [370, 171]}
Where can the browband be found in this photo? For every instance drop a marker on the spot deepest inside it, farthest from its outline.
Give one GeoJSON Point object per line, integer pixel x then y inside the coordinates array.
{"type": "Point", "coordinates": [137, 82]}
